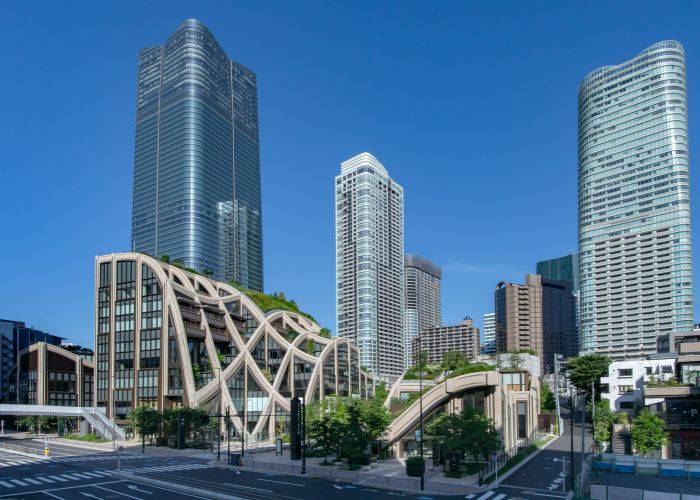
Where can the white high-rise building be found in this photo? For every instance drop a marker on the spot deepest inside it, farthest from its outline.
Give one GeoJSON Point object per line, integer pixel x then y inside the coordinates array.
{"type": "Point", "coordinates": [636, 279]}
{"type": "Point", "coordinates": [488, 346]}
{"type": "Point", "coordinates": [370, 264]}
{"type": "Point", "coordinates": [422, 293]}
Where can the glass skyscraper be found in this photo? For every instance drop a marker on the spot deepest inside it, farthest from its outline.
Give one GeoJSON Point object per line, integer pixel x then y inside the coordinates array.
{"type": "Point", "coordinates": [423, 302]}
{"type": "Point", "coordinates": [561, 269]}
{"type": "Point", "coordinates": [636, 279]}
{"type": "Point", "coordinates": [197, 158]}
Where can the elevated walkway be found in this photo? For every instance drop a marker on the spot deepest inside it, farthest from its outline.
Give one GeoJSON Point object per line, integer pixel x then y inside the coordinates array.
{"type": "Point", "coordinates": [438, 395]}
{"type": "Point", "coordinates": [95, 416]}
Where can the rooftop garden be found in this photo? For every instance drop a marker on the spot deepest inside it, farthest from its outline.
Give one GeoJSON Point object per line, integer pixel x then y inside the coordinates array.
{"type": "Point", "coordinates": [454, 363]}
{"type": "Point", "coordinates": [264, 301]}
{"type": "Point", "coordinates": [671, 382]}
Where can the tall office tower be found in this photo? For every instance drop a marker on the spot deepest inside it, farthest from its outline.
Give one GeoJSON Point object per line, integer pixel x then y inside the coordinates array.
{"type": "Point", "coordinates": [634, 204]}
{"type": "Point", "coordinates": [197, 161]}
{"type": "Point", "coordinates": [538, 315]}
{"type": "Point", "coordinates": [488, 346]}
{"type": "Point", "coordinates": [422, 295]}
{"type": "Point", "coordinates": [369, 265]}
{"type": "Point", "coordinates": [561, 269]}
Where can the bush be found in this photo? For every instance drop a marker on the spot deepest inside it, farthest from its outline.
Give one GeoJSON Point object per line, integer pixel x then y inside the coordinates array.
{"type": "Point", "coordinates": [415, 466]}
{"type": "Point", "coordinates": [359, 459]}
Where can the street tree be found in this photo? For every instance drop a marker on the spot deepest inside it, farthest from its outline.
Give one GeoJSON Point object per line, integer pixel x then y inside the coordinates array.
{"type": "Point", "coordinates": [584, 370]}
{"type": "Point", "coordinates": [547, 399]}
{"type": "Point", "coordinates": [453, 360]}
{"type": "Point", "coordinates": [146, 421]}
{"type": "Point", "coordinates": [648, 432]}
{"type": "Point", "coordinates": [602, 422]}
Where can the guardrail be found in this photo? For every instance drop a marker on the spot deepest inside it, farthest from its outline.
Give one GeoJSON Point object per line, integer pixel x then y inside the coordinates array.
{"type": "Point", "coordinates": [689, 469]}
{"type": "Point", "coordinates": [23, 449]}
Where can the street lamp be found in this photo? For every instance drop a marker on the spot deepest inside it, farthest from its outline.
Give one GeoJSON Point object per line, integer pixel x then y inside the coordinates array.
{"type": "Point", "coordinates": [420, 398]}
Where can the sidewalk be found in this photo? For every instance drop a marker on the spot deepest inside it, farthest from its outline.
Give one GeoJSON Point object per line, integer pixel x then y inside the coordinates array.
{"type": "Point", "coordinates": [383, 474]}
{"type": "Point", "coordinates": [134, 447]}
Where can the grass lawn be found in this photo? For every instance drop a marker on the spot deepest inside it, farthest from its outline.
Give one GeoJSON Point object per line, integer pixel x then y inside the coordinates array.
{"type": "Point", "coordinates": [88, 438]}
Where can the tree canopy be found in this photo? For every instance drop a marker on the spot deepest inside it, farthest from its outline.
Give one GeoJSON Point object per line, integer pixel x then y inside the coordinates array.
{"type": "Point", "coordinates": [583, 370]}
{"type": "Point", "coordinates": [648, 432]}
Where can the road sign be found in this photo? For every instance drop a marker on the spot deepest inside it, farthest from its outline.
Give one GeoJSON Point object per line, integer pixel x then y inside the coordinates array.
{"type": "Point", "coordinates": [418, 436]}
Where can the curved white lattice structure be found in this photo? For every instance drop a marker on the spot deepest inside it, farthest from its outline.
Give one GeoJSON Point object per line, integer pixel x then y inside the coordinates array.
{"type": "Point", "coordinates": [168, 337]}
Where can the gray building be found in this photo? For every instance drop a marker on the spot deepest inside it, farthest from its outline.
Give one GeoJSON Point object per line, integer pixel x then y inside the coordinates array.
{"type": "Point", "coordinates": [197, 158]}
{"type": "Point", "coordinates": [15, 336]}
{"type": "Point", "coordinates": [370, 264]}
{"type": "Point", "coordinates": [422, 296]}
{"type": "Point", "coordinates": [636, 277]}
{"type": "Point", "coordinates": [561, 269]}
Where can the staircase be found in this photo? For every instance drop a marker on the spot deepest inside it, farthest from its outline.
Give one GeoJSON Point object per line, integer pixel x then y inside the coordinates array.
{"type": "Point", "coordinates": [102, 425]}
{"type": "Point", "coordinates": [621, 440]}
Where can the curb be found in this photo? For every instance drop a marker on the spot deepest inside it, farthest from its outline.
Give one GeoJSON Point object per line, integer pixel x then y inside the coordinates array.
{"type": "Point", "coordinates": [175, 486]}
{"type": "Point", "coordinates": [362, 482]}
{"type": "Point", "coordinates": [76, 444]}
{"type": "Point", "coordinates": [22, 453]}
{"type": "Point", "coordinates": [518, 466]}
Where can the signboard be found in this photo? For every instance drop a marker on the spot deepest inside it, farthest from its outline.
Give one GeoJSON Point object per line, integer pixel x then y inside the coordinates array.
{"type": "Point", "coordinates": [418, 436]}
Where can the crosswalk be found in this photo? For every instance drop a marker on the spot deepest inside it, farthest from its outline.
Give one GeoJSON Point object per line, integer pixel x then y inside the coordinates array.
{"type": "Point", "coordinates": [489, 495]}
{"type": "Point", "coordinates": [45, 479]}
{"type": "Point", "coordinates": [5, 462]}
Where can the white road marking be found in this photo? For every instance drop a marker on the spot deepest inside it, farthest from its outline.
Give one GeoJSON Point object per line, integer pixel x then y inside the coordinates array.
{"type": "Point", "coordinates": [485, 495]}
{"type": "Point", "coordinates": [117, 492]}
{"type": "Point", "coordinates": [81, 476]}
{"type": "Point", "coordinates": [71, 477]}
{"type": "Point", "coordinates": [52, 495]}
{"type": "Point", "coordinates": [44, 479]}
{"type": "Point", "coordinates": [6, 484]}
{"type": "Point", "coordinates": [247, 487]}
{"type": "Point", "coordinates": [282, 482]}
{"type": "Point", "coordinates": [32, 481]}
{"type": "Point", "coordinates": [498, 497]}
{"type": "Point", "coordinates": [58, 478]}
{"type": "Point", "coordinates": [470, 495]}
{"type": "Point", "coordinates": [17, 481]}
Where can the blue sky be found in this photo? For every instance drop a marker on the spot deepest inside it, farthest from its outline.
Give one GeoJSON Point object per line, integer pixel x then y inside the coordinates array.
{"type": "Point", "coordinates": [470, 105]}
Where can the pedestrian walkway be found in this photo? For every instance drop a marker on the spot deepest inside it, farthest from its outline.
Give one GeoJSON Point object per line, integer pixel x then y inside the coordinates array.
{"type": "Point", "coordinates": [10, 463]}
{"type": "Point", "coordinates": [40, 480]}
{"type": "Point", "coordinates": [489, 495]}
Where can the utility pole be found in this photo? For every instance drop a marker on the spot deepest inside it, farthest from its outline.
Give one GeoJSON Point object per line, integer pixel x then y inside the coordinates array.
{"type": "Point", "coordinates": [583, 428]}
{"type": "Point", "coordinates": [243, 433]}
{"type": "Point", "coordinates": [228, 434]}
{"type": "Point", "coordinates": [571, 431]}
{"type": "Point", "coordinates": [303, 436]}
{"type": "Point", "coordinates": [560, 428]}
{"type": "Point", "coordinates": [593, 401]}
{"type": "Point", "coordinates": [420, 389]}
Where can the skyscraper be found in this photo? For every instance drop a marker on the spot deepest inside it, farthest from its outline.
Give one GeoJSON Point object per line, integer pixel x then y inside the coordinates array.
{"type": "Point", "coordinates": [538, 315]}
{"type": "Point", "coordinates": [561, 269]}
{"type": "Point", "coordinates": [370, 264]}
{"type": "Point", "coordinates": [422, 296]}
{"type": "Point", "coordinates": [488, 346]}
{"type": "Point", "coordinates": [197, 158]}
{"type": "Point", "coordinates": [636, 279]}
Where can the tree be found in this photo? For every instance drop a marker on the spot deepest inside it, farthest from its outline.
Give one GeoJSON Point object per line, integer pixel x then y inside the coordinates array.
{"type": "Point", "coordinates": [422, 360]}
{"type": "Point", "coordinates": [165, 258]}
{"type": "Point", "coordinates": [603, 421]}
{"type": "Point", "coordinates": [648, 432]}
{"type": "Point", "coordinates": [381, 393]}
{"type": "Point", "coordinates": [584, 370]}
{"type": "Point", "coordinates": [325, 333]}
{"type": "Point", "coordinates": [147, 421]}
{"type": "Point", "coordinates": [469, 432]}
{"type": "Point", "coordinates": [547, 399]}
{"type": "Point", "coordinates": [515, 360]}
{"type": "Point", "coordinates": [453, 359]}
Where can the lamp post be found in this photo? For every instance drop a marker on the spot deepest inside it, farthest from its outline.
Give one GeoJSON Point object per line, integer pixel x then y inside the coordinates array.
{"type": "Point", "coordinates": [571, 431]}
{"type": "Point", "coordinates": [228, 434]}
{"type": "Point", "coordinates": [218, 427]}
{"type": "Point", "coordinates": [420, 398]}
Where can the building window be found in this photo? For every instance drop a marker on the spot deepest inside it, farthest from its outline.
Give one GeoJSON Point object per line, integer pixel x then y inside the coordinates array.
{"type": "Point", "coordinates": [522, 420]}
{"type": "Point", "coordinates": [667, 369]}
{"type": "Point", "coordinates": [625, 372]}
{"type": "Point", "coordinates": [627, 405]}
{"type": "Point", "coordinates": [649, 370]}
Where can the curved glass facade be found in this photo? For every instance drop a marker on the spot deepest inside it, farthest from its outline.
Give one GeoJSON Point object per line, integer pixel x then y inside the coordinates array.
{"type": "Point", "coordinates": [634, 203]}
{"type": "Point", "coordinates": [197, 158]}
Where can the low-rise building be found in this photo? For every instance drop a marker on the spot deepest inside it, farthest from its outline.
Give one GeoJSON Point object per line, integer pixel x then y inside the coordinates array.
{"type": "Point", "coordinates": [624, 385]}
{"type": "Point", "coordinates": [50, 375]}
{"type": "Point", "coordinates": [439, 340]}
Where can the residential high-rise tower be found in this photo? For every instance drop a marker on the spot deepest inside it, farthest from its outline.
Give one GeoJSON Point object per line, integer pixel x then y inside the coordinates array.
{"type": "Point", "coordinates": [197, 158]}
{"type": "Point", "coordinates": [422, 296]}
{"type": "Point", "coordinates": [488, 346]}
{"type": "Point", "coordinates": [636, 279]}
{"type": "Point", "coordinates": [370, 264]}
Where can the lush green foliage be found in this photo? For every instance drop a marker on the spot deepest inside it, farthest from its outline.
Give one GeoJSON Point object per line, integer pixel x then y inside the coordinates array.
{"type": "Point", "coordinates": [467, 433]}
{"type": "Point", "coordinates": [671, 382]}
{"type": "Point", "coordinates": [602, 422]}
{"type": "Point", "coordinates": [414, 466]}
{"type": "Point", "coordinates": [146, 420]}
{"type": "Point", "coordinates": [547, 400]}
{"type": "Point", "coordinates": [584, 370]}
{"type": "Point", "coordinates": [34, 423]}
{"type": "Point", "coordinates": [452, 360]}
{"type": "Point", "coordinates": [648, 432]}
{"type": "Point", "coordinates": [346, 426]}
{"type": "Point", "coordinates": [90, 438]}
{"type": "Point", "coordinates": [325, 333]}
{"type": "Point", "coordinates": [471, 368]}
